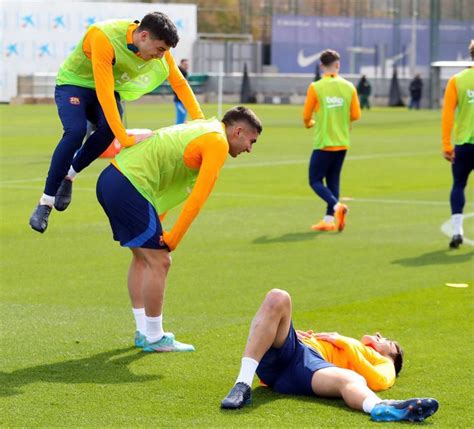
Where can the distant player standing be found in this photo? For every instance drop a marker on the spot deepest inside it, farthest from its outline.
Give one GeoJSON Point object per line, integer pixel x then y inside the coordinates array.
{"type": "Point", "coordinates": [335, 103]}
{"type": "Point", "coordinates": [181, 111]}
{"type": "Point", "coordinates": [458, 111]}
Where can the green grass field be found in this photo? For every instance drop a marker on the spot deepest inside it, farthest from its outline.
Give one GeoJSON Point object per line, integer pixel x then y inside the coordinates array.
{"type": "Point", "coordinates": [67, 328]}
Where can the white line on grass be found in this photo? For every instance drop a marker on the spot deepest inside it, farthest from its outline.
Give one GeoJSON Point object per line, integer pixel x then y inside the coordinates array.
{"type": "Point", "coordinates": [447, 230]}
{"type": "Point", "coordinates": [350, 158]}
{"type": "Point", "coordinates": [278, 197]}
{"type": "Point", "coordinates": [258, 164]}
{"type": "Point", "coordinates": [351, 200]}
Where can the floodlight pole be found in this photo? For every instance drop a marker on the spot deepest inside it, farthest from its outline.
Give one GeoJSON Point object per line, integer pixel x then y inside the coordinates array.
{"type": "Point", "coordinates": [413, 38]}
{"type": "Point", "coordinates": [220, 89]}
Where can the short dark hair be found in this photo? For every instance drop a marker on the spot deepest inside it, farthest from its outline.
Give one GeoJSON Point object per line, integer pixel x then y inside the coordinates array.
{"type": "Point", "coordinates": [160, 26]}
{"type": "Point", "coordinates": [242, 113]}
{"type": "Point", "coordinates": [397, 358]}
{"type": "Point", "coordinates": [329, 56]}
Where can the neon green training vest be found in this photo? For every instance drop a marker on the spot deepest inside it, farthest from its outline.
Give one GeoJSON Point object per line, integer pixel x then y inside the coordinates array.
{"type": "Point", "coordinates": [333, 117]}
{"type": "Point", "coordinates": [133, 76]}
{"type": "Point", "coordinates": [156, 166]}
{"type": "Point", "coordinates": [464, 122]}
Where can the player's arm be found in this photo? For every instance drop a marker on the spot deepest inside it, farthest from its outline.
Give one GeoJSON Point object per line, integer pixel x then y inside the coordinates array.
{"type": "Point", "coordinates": [311, 105]}
{"type": "Point", "coordinates": [377, 370]}
{"type": "Point", "coordinates": [213, 149]}
{"type": "Point", "coordinates": [447, 118]}
{"type": "Point", "coordinates": [355, 107]}
{"type": "Point", "coordinates": [182, 89]}
{"type": "Point", "coordinates": [102, 55]}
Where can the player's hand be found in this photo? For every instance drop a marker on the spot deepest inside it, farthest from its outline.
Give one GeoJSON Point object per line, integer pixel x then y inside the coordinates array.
{"type": "Point", "coordinates": [304, 334]}
{"type": "Point", "coordinates": [448, 155]}
{"type": "Point", "coordinates": [330, 337]}
{"type": "Point", "coordinates": [310, 124]}
{"type": "Point", "coordinates": [140, 137]}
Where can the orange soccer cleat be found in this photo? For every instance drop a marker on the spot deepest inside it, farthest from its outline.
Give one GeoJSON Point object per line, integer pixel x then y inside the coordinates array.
{"type": "Point", "coordinates": [324, 226]}
{"type": "Point", "coordinates": [340, 215]}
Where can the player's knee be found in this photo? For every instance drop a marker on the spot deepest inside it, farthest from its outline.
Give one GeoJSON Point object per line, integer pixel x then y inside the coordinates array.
{"type": "Point", "coordinates": [158, 261]}
{"type": "Point", "coordinates": [278, 299]}
{"type": "Point", "coordinates": [165, 261]}
{"type": "Point", "coordinates": [352, 377]}
{"type": "Point", "coordinates": [75, 133]}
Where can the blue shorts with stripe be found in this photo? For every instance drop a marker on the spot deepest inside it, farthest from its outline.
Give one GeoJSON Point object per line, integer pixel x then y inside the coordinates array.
{"type": "Point", "coordinates": [290, 369]}
{"type": "Point", "coordinates": [133, 219]}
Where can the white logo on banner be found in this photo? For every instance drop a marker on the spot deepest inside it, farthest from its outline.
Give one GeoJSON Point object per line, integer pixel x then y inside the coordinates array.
{"type": "Point", "coordinates": [305, 61]}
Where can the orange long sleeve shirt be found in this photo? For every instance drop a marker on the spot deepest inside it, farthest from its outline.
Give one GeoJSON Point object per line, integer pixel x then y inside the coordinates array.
{"type": "Point", "coordinates": [447, 116]}
{"type": "Point", "coordinates": [99, 50]}
{"type": "Point", "coordinates": [208, 154]}
{"type": "Point", "coordinates": [312, 105]}
{"type": "Point", "coordinates": [350, 353]}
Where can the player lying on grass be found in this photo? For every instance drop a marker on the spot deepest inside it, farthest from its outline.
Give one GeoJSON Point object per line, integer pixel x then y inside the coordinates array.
{"type": "Point", "coordinates": [144, 181]}
{"type": "Point", "coordinates": [327, 365]}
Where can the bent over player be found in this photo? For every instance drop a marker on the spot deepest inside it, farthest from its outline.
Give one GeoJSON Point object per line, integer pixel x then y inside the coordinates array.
{"type": "Point", "coordinates": [327, 365]}
{"type": "Point", "coordinates": [115, 60]}
{"type": "Point", "coordinates": [177, 163]}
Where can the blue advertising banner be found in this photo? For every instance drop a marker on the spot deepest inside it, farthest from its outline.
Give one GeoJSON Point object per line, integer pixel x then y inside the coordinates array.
{"type": "Point", "coordinates": [364, 43]}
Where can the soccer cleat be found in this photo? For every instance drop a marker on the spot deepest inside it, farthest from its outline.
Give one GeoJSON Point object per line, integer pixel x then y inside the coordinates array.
{"type": "Point", "coordinates": [39, 218]}
{"type": "Point", "coordinates": [413, 410]}
{"type": "Point", "coordinates": [63, 196]}
{"type": "Point", "coordinates": [456, 241]}
{"type": "Point", "coordinates": [167, 344]}
{"type": "Point", "coordinates": [340, 216]}
{"type": "Point", "coordinates": [324, 226]}
{"type": "Point", "coordinates": [139, 340]}
{"type": "Point", "coordinates": [239, 395]}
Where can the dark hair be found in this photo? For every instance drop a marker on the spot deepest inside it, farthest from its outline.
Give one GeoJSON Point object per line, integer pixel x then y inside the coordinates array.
{"type": "Point", "coordinates": [471, 49]}
{"type": "Point", "coordinates": [242, 113]}
{"type": "Point", "coordinates": [329, 56]}
{"type": "Point", "coordinates": [160, 27]}
{"type": "Point", "coordinates": [397, 358]}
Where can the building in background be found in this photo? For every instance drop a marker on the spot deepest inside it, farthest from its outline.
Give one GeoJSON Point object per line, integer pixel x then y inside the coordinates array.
{"type": "Point", "coordinates": [38, 36]}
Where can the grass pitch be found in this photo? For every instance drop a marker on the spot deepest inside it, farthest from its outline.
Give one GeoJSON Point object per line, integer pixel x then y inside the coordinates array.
{"type": "Point", "coordinates": [67, 357]}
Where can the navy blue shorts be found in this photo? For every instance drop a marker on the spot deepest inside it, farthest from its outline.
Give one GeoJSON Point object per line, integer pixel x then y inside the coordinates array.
{"type": "Point", "coordinates": [290, 369]}
{"type": "Point", "coordinates": [133, 219]}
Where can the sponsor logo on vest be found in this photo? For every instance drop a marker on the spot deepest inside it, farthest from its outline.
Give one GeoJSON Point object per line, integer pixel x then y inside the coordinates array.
{"type": "Point", "coordinates": [332, 102]}
{"type": "Point", "coordinates": [75, 100]}
{"type": "Point", "coordinates": [470, 96]}
{"type": "Point", "coordinates": [142, 81]}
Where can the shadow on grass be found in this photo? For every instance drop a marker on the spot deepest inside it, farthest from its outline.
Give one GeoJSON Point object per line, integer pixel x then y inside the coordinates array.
{"type": "Point", "coordinates": [439, 257]}
{"type": "Point", "coordinates": [285, 238]}
{"type": "Point", "coordinates": [104, 368]}
{"type": "Point", "coordinates": [264, 395]}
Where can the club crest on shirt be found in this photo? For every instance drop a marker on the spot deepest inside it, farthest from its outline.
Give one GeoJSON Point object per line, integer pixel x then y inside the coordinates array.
{"type": "Point", "coordinates": [74, 100]}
